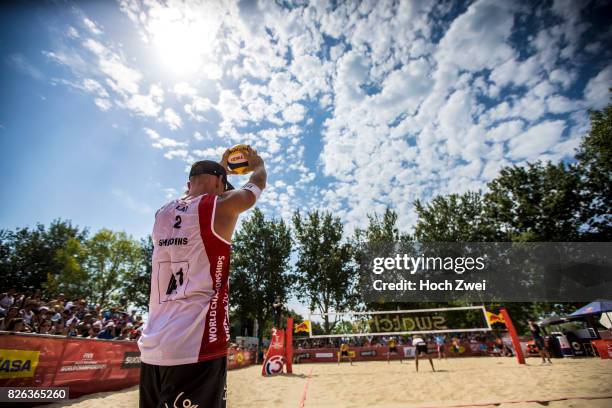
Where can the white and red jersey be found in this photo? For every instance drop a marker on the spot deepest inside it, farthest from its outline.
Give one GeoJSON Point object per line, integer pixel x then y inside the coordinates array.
{"type": "Point", "coordinates": [188, 304]}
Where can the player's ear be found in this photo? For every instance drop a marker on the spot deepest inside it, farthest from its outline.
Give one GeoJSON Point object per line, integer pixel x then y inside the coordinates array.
{"type": "Point", "coordinates": [188, 185]}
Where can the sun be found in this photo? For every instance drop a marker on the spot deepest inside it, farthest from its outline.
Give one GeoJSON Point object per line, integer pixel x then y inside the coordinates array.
{"type": "Point", "coordinates": [184, 41]}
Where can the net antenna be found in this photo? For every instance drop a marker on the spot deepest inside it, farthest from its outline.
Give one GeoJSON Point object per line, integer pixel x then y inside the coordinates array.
{"type": "Point", "coordinates": [405, 322]}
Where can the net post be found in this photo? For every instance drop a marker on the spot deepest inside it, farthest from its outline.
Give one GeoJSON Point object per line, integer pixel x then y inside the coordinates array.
{"type": "Point", "coordinates": [289, 345]}
{"type": "Point", "coordinates": [513, 335]}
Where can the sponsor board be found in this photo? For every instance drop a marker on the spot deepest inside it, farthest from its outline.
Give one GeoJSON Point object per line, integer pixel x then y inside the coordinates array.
{"type": "Point", "coordinates": [87, 362]}
{"type": "Point", "coordinates": [368, 353]}
{"type": "Point", "coordinates": [409, 351]}
{"type": "Point", "coordinates": [131, 359]}
{"type": "Point", "coordinates": [324, 355]}
{"type": "Point", "coordinates": [18, 363]}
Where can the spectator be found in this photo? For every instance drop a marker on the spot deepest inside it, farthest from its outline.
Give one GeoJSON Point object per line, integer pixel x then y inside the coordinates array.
{"type": "Point", "coordinates": [109, 331]}
{"type": "Point", "coordinates": [12, 314]}
{"type": "Point", "coordinates": [16, 325]}
{"type": "Point", "coordinates": [45, 327]}
{"type": "Point", "coordinates": [94, 330]}
{"type": "Point", "coordinates": [71, 330]}
{"type": "Point", "coordinates": [27, 313]}
{"type": "Point", "coordinates": [124, 335]}
{"type": "Point", "coordinates": [83, 329]}
{"type": "Point", "coordinates": [277, 308]}
{"type": "Point", "coordinates": [7, 299]}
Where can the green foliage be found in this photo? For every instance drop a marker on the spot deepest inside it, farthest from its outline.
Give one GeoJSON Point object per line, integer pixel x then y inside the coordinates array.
{"type": "Point", "coordinates": [539, 202]}
{"type": "Point", "coordinates": [381, 229]}
{"type": "Point", "coordinates": [260, 268]}
{"type": "Point", "coordinates": [137, 280]}
{"type": "Point", "coordinates": [110, 256]}
{"type": "Point", "coordinates": [72, 275]}
{"type": "Point", "coordinates": [326, 276]}
{"type": "Point", "coordinates": [28, 256]}
{"type": "Point", "coordinates": [594, 167]}
{"type": "Point", "coordinates": [454, 218]}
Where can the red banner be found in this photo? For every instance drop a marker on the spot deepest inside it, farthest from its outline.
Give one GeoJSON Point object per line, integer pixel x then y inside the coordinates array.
{"type": "Point", "coordinates": [604, 348]}
{"type": "Point", "coordinates": [275, 356]}
{"type": "Point", "coordinates": [378, 353]}
{"type": "Point", "coordinates": [239, 358]}
{"type": "Point", "coordinates": [84, 365]}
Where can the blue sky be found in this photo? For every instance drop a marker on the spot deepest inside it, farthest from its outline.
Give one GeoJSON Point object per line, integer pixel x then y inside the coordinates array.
{"type": "Point", "coordinates": [354, 108]}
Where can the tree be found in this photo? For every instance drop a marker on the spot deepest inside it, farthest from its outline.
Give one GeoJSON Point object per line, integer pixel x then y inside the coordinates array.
{"type": "Point", "coordinates": [28, 256]}
{"type": "Point", "coordinates": [109, 257]}
{"type": "Point", "coordinates": [454, 218]}
{"type": "Point", "coordinates": [69, 279]}
{"type": "Point", "coordinates": [594, 167]}
{"type": "Point", "coordinates": [326, 276]}
{"type": "Point", "coordinates": [260, 268]}
{"type": "Point", "coordinates": [138, 280]}
{"type": "Point", "coordinates": [381, 229]}
{"type": "Point", "coordinates": [539, 202]}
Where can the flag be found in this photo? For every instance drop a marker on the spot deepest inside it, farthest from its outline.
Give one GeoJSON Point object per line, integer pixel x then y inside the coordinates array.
{"type": "Point", "coordinates": [302, 327]}
{"type": "Point", "coordinates": [495, 318]}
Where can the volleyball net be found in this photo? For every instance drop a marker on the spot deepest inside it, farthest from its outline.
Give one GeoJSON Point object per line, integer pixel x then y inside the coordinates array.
{"type": "Point", "coordinates": [399, 322]}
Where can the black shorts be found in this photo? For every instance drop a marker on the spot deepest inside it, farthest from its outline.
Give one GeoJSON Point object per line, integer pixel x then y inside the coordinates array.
{"type": "Point", "coordinates": [344, 353]}
{"type": "Point", "coordinates": [203, 384]}
{"type": "Point", "coordinates": [393, 350]}
{"type": "Point", "coordinates": [421, 348]}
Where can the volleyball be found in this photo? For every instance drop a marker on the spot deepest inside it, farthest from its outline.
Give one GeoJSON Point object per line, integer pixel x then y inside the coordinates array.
{"type": "Point", "coordinates": [236, 160]}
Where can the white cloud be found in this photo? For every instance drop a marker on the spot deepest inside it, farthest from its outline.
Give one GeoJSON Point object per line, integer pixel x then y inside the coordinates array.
{"type": "Point", "coordinates": [294, 113]}
{"type": "Point", "coordinates": [91, 26]}
{"type": "Point", "coordinates": [596, 92]}
{"type": "Point", "coordinates": [536, 141]}
{"type": "Point", "coordinates": [170, 154]}
{"type": "Point", "coordinates": [184, 89]}
{"type": "Point", "coordinates": [72, 32]}
{"type": "Point", "coordinates": [165, 142]}
{"type": "Point", "coordinates": [172, 119]}
{"type": "Point", "coordinates": [103, 104]}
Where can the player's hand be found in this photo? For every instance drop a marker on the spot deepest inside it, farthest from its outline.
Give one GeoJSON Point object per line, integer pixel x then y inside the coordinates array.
{"type": "Point", "coordinates": [255, 161]}
{"type": "Point", "coordinates": [223, 162]}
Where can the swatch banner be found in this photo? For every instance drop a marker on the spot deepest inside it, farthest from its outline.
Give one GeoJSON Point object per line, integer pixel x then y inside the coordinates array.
{"type": "Point", "coordinates": [485, 271]}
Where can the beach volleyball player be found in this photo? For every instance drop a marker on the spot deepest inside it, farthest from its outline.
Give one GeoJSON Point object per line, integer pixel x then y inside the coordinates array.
{"type": "Point", "coordinates": [184, 343]}
{"type": "Point", "coordinates": [392, 344]}
{"type": "Point", "coordinates": [344, 353]}
{"type": "Point", "coordinates": [420, 350]}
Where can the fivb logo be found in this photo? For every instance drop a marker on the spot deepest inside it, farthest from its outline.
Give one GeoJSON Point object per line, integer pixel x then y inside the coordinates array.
{"type": "Point", "coordinates": [274, 365]}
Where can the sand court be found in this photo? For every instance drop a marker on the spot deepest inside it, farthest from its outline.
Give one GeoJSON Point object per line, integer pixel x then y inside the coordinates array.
{"type": "Point", "coordinates": [459, 381]}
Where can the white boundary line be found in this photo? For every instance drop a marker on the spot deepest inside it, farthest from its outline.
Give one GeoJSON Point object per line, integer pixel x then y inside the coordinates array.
{"type": "Point", "coordinates": [442, 309]}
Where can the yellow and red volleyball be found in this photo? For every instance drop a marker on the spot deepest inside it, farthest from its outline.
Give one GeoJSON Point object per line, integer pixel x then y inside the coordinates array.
{"type": "Point", "coordinates": [236, 160]}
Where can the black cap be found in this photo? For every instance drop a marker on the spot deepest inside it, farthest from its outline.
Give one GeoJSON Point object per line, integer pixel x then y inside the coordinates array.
{"type": "Point", "coordinates": [210, 167]}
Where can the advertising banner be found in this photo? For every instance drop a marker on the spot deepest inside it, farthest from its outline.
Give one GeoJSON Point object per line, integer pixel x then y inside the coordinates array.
{"type": "Point", "coordinates": [239, 358]}
{"type": "Point", "coordinates": [379, 353]}
{"type": "Point", "coordinates": [83, 365]}
{"type": "Point", "coordinates": [275, 357]}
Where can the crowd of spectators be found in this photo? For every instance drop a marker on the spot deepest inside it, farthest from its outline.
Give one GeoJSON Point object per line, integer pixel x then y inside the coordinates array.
{"type": "Point", "coordinates": [30, 312]}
